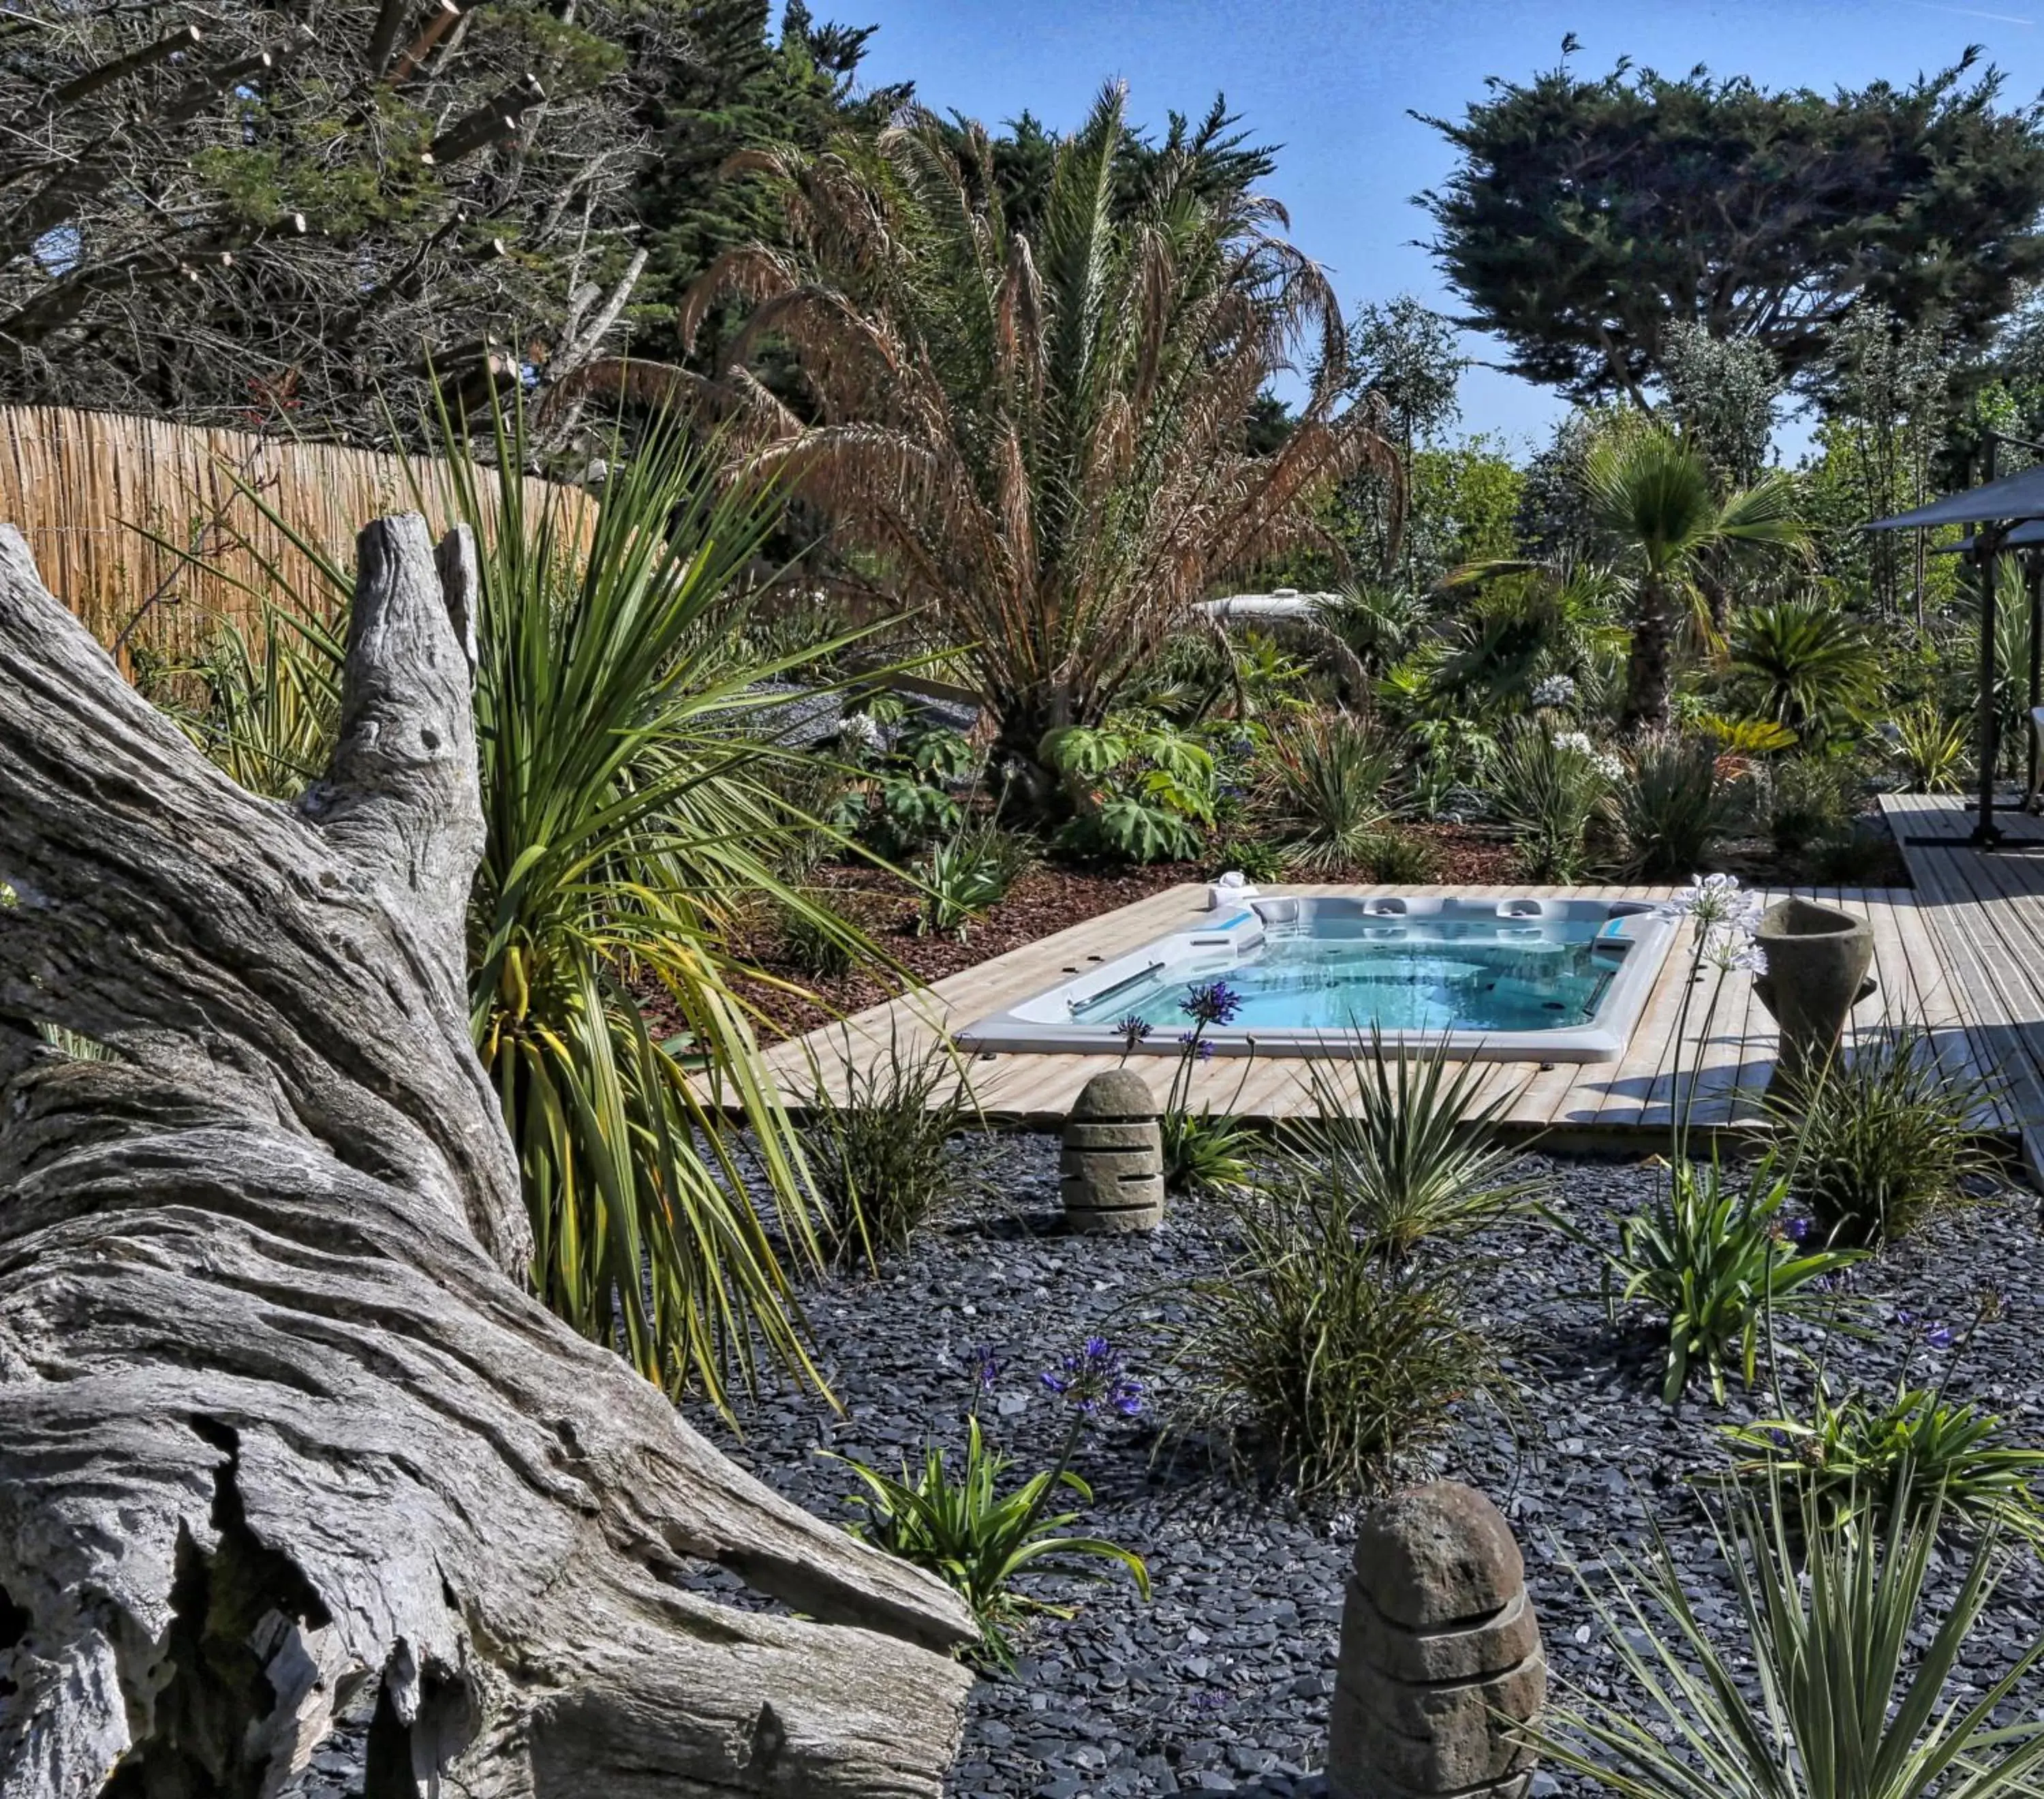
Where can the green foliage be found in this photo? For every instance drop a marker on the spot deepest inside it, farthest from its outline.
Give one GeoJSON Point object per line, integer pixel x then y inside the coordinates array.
{"type": "Point", "coordinates": [882, 1155]}
{"type": "Point", "coordinates": [1886, 1138]}
{"type": "Point", "coordinates": [1672, 194]}
{"type": "Point", "coordinates": [1856, 1456]}
{"type": "Point", "coordinates": [817, 942]}
{"type": "Point", "coordinates": [1710, 1260]}
{"type": "Point", "coordinates": [978, 1541]}
{"type": "Point", "coordinates": [1205, 1152]}
{"type": "Point", "coordinates": [1399, 1142]}
{"type": "Point", "coordinates": [1141, 794]}
{"type": "Point", "coordinates": [1399, 859]}
{"type": "Point", "coordinates": [1933, 751]}
{"type": "Point", "coordinates": [968, 875]}
{"type": "Point", "coordinates": [270, 709]}
{"type": "Point", "coordinates": [1345, 1368]}
{"type": "Point", "coordinates": [1806, 666]}
{"type": "Point", "coordinates": [1256, 858]}
{"type": "Point", "coordinates": [1672, 808]}
{"type": "Point", "coordinates": [1843, 1673]}
{"type": "Point", "coordinates": [1550, 789]}
{"type": "Point", "coordinates": [1806, 799]}
{"type": "Point", "coordinates": [1324, 779]}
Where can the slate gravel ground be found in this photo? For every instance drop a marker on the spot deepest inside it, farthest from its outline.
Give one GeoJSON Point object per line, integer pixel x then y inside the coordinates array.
{"type": "Point", "coordinates": [1220, 1684]}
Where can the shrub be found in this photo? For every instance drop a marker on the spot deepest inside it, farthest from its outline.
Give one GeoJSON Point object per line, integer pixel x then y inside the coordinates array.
{"type": "Point", "coordinates": [1401, 1143]}
{"type": "Point", "coordinates": [967, 875]}
{"type": "Point", "coordinates": [1805, 799]}
{"type": "Point", "coordinates": [881, 1156]}
{"type": "Point", "coordinates": [1400, 858]}
{"type": "Point", "coordinates": [979, 1541]}
{"type": "Point", "coordinates": [1863, 853]}
{"type": "Point", "coordinates": [1885, 1138]}
{"type": "Point", "coordinates": [1931, 749]}
{"type": "Point", "coordinates": [1345, 1368]}
{"type": "Point", "coordinates": [1713, 1259]}
{"type": "Point", "coordinates": [1140, 793]}
{"type": "Point", "coordinates": [1551, 789]}
{"type": "Point", "coordinates": [1253, 857]}
{"type": "Point", "coordinates": [1673, 809]}
{"type": "Point", "coordinates": [817, 942]}
{"type": "Point", "coordinates": [1856, 1456]}
{"type": "Point", "coordinates": [1325, 777]}
{"type": "Point", "coordinates": [1833, 1682]}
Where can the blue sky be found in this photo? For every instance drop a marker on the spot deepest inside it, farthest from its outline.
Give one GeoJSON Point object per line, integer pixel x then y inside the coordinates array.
{"type": "Point", "coordinates": [1332, 81]}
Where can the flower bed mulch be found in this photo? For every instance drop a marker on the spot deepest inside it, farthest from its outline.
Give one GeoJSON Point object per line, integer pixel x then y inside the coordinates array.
{"type": "Point", "coordinates": [1220, 1683]}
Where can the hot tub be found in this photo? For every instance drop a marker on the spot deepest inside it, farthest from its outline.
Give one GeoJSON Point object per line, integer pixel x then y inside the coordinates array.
{"type": "Point", "coordinates": [1512, 980]}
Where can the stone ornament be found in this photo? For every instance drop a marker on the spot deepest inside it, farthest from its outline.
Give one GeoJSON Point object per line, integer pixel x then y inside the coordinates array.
{"type": "Point", "coordinates": [1817, 960]}
{"type": "Point", "coordinates": [1111, 1171]}
{"type": "Point", "coordinates": [1438, 1639]}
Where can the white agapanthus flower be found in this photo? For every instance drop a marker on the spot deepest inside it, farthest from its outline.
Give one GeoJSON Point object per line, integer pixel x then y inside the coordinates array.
{"type": "Point", "coordinates": [856, 731]}
{"type": "Point", "coordinates": [1727, 923]}
{"type": "Point", "coordinates": [1611, 767]}
{"type": "Point", "coordinates": [1579, 741]}
{"type": "Point", "coordinates": [1553, 690]}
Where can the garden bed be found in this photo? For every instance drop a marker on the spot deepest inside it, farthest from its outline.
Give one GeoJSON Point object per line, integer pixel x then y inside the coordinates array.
{"type": "Point", "coordinates": [1220, 1684]}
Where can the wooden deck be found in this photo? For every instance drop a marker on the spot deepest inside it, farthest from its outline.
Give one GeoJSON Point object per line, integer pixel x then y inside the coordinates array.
{"type": "Point", "coordinates": [1623, 1104]}
{"type": "Point", "coordinates": [1985, 912]}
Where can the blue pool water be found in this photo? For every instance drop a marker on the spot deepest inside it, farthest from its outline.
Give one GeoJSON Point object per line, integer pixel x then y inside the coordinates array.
{"type": "Point", "coordinates": [1426, 975]}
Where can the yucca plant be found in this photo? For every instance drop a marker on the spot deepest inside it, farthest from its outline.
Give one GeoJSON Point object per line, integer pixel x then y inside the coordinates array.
{"type": "Point", "coordinates": [1324, 778]}
{"type": "Point", "coordinates": [627, 806]}
{"type": "Point", "coordinates": [1839, 1675]}
{"type": "Point", "coordinates": [1931, 749]}
{"type": "Point", "coordinates": [1551, 789]}
{"type": "Point", "coordinates": [1405, 1145]}
{"type": "Point", "coordinates": [271, 707]}
{"type": "Point", "coordinates": [1673, 809]}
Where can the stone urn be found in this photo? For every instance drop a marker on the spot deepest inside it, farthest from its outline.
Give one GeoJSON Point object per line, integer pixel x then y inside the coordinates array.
{"type": "Point", "coordinates": [1817, 960]}
{"type": "Point", "coordinates": [1112, 1169]}
{"type": "Point", "coordinates": [1440, 1659]}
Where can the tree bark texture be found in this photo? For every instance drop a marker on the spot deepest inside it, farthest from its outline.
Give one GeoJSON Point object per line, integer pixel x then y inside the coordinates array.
{"type": "Point", "coordinates": [286, 1450]}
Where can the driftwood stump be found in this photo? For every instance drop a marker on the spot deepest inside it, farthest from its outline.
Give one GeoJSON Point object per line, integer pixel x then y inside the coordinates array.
{"type": "Point", "coordinates": [286, 1448]}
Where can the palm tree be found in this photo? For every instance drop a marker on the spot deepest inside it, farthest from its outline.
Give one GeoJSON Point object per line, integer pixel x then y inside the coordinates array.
{"type": "Point", "coordinates": [1805, 665]}
{"type": "Point", "coordinates": [1039, 437]}
{"type": "Point", "coordinates": [1652, 495]}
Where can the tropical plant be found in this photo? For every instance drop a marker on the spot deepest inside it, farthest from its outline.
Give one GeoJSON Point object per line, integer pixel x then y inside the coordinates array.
{"type": "Point", "coordinates": [1345, 1369]}
{"type": "Point", "coordinates": [1037, 424]}
{"type": "Point", "coordinates": [880, 1150]}
{"type": "Point", "coordinates": [1407, 1144]}
{"type": "Point", "coordinates": [1137, 793]}
{"type": "Point", "coordinates": [1551, 788]}
{"type": "Point", "coordinates": [629, 813]}
{"type": "Point", "coordinates": [1399, 858]}
{"type": "Point", "coordinates": [1673, 809]}
{"type": "Point", "coordinates": [1855, 1456]}
{"type": "Point", "coordinates": [1931, 749]}
{"type": "Point", "coordinates": [1713, 1260]}
{"type": "Point", "coordinates": [1839, 1676]}
{"type": "Point", "coordinates": [1805, 665]}
{"type": "Point", "coordinates": [979, 1541]}
{"type": "Point", "coordinates": [1324, 778]}
{"type": "Point", "coordinates": [1885, 1138]}
{"type": "Point", "coordinates": [1652, 497]}
{"type": "Point", "coordinates": [1255, 859]}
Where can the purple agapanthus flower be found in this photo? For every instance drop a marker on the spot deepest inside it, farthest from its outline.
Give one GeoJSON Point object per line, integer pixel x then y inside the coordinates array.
{"type": "Point", "coordinates": [1938, 1336]}
{"type": "Point", "coordinates": [1212, 1002]}
{"type": "Point", "coordinates": [1093, 1378]}
{"type": "Point", "coordinates": [986, 1367]}
{"type": "Point", "coordinates": [1202, 1051]}
{"type": "Point", "coordinates": [1133, 1030]}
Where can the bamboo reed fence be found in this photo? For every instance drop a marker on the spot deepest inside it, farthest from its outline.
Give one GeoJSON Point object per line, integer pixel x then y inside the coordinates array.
{"type": "Point", "coordinates": [142, 528]}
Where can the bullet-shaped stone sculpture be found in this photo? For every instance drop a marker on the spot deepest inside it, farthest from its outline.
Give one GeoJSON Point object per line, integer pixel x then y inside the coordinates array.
{"type": "Point", "coordinates": [1111, 1171]}
{"type": "Point", "coordinates": [1437, 1638]}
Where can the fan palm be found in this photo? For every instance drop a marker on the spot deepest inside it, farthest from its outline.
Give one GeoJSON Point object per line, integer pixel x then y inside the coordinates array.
{"type": "Point", "coordinates": [1038, 435]}
{"type": "Point", "coordinates": [1652, 497]}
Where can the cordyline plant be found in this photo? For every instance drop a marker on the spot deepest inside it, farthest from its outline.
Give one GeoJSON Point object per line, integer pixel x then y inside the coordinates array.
{"type": "Point", "coordinates": [1040, 435]}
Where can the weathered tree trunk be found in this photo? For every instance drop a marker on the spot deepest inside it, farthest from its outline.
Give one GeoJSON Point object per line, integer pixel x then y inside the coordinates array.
{"type": "Point", "coordinates": [1650, 684]}
{"type": "Point", "coordinates": [285, 1447]}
